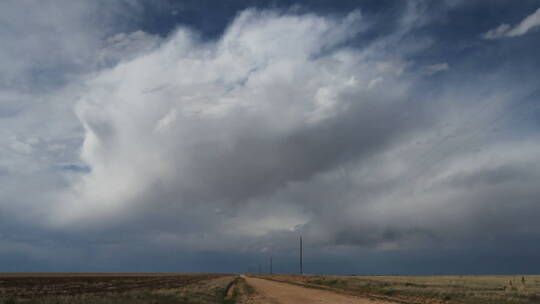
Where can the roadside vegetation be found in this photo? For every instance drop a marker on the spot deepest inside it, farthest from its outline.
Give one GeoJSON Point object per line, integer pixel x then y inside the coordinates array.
{"type": "Point", "coordinates": [238, 292]}
{"type": "Point", "coordinates": [513, 289]}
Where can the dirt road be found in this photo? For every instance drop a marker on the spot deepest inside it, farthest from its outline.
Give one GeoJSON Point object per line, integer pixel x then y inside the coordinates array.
{"type": "Point", "coordinates": [283, 293]}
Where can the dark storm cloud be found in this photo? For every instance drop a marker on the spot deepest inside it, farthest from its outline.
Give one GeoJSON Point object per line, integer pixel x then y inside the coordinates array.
{"type": "Point", "coordinates": [260, 162]}
{"type": "Point", "coordinates": [386, 131]}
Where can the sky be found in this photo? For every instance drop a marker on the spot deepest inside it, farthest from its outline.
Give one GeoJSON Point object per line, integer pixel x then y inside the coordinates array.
{"type": "Point", "coordinates": [395, 137]}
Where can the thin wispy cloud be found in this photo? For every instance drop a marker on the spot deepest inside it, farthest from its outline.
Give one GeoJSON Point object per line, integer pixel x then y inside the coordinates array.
{"type": "Point", "coordinates": [530, 23]}
{"type": "Point", "coordinates": [436, 68]}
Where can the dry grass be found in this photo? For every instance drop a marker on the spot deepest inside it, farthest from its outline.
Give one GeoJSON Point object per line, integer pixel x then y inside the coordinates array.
{"type": "Point", "coordinates": [501, 289]}
{"type": "Point", "coordinates": [239, 292]}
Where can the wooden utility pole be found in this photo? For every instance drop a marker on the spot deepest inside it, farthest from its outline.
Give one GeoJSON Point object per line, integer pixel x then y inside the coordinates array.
{"type": "Point", "coordinates": [270, 265]}
{"type": "Point", "coordinates": [259, 268]}
{"type": "Point", "coordinates": [301, 266]}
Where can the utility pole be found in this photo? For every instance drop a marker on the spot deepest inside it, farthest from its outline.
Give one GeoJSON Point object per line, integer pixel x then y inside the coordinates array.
{"type": "Point", "coordinates": [301, 266]}
{"type": "Point", "coordinates": [259, 268]}
{"type": "Point", "coordinates": [270, 265]}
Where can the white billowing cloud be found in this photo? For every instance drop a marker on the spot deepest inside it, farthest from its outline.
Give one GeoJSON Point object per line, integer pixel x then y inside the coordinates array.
{"type": "Point", "coordinates": [229, 143]}
{"type": "Point", "coordinates": [505, 30]}
{"type": "Point", "coordinates": [178, 118]}
{"type": "Point", "coordinates": [50, 48]}
{"type": "Point", "coordinates": [126, 46]}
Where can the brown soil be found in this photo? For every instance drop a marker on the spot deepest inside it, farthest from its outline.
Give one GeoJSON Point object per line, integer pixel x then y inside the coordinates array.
{"type": "Point", "coordinates": [283, 293]}
{"type": "Point", "coordinates": [33, 285]}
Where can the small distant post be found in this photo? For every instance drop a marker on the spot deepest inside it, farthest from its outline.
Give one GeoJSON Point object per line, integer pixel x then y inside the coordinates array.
{"type": "Point", "coordinates": [259, 268]}
{"type": "Point", "coordinates": [301, 266]}
{"type": "Point", "coordinates": [270, 265]}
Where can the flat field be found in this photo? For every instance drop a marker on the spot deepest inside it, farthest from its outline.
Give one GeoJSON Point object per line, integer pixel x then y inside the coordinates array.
{"type": "Point", "coordinates": [112, 288]}
{"type": "Point", "coordinates": [498, 289]}
{"type": "Point", "coordinates": [133, 288]}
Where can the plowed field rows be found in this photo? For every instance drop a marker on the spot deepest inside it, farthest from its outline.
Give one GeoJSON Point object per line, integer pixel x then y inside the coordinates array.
{"type": "Point", "coordinates": [38, 285]}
